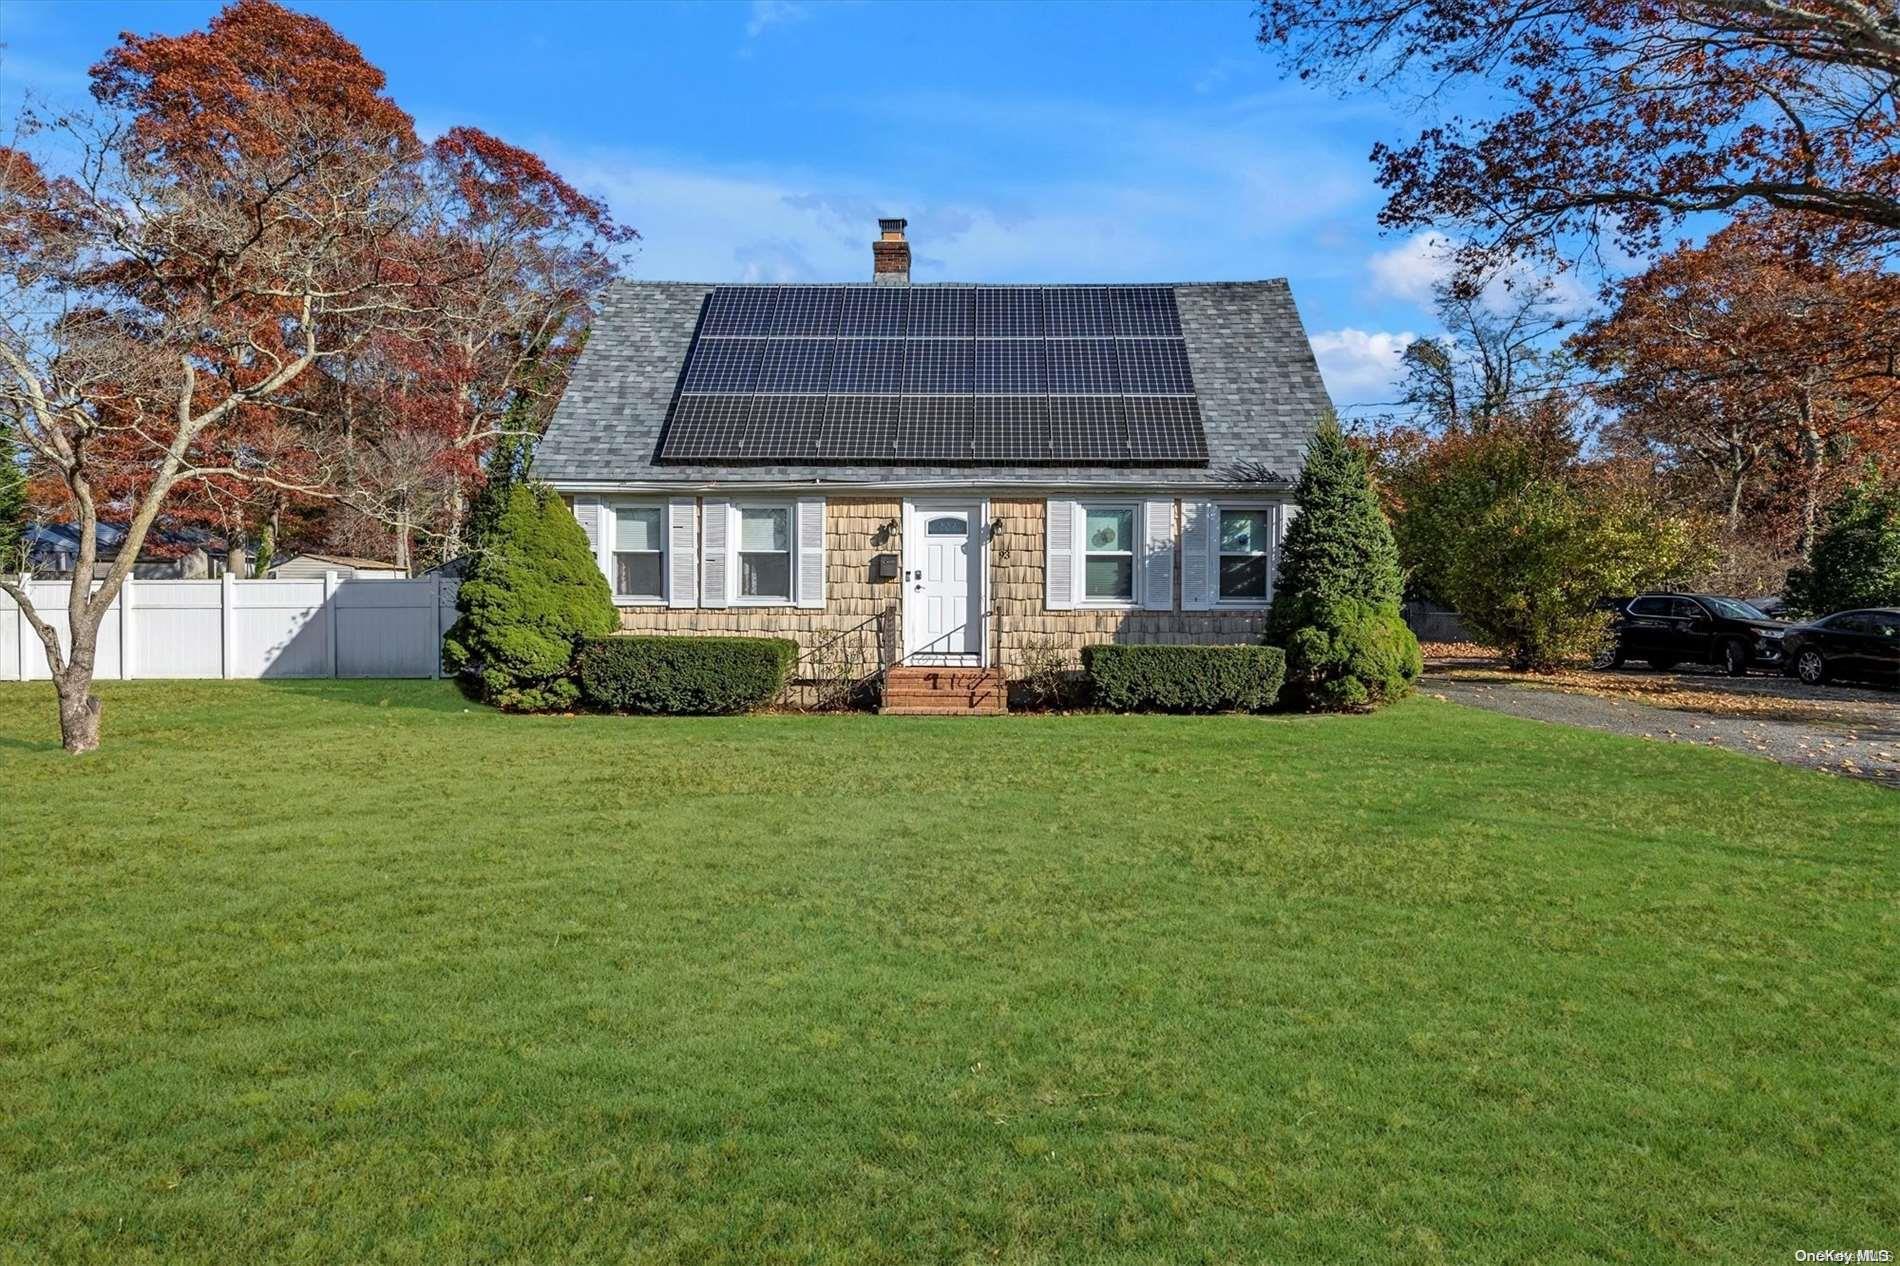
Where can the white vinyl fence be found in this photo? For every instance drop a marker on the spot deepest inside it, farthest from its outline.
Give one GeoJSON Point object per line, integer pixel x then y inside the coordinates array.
{"type": "Point", "coordinates": [328, 627]}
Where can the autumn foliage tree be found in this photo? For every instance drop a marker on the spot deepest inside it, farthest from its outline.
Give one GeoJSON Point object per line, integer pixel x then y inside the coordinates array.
{"type": "Point", "coordinates": [1615, 119]}
{"type": "Point", "coordinates": [245, 225]}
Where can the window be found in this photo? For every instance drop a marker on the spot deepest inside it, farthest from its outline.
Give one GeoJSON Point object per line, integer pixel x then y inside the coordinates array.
{"type": "Point", "coordinates": [1246, 537]}
{"type": "Point", "coordinates": [765, 553]}
{"type": "Point", "coordinates": [1687, 609]}
{"type": "Point", "coordinates": [1650, 606]}
{"type": "Point", "coordinates": [948, 525]}
{"type": "Point", "coordinates": [1733, 609]}
{"type": "Point", "coordinates": [1850, 622]}
{"type": "Point", "coordinates": [1108, 546]}
{"type": "Point", "coordinates": [639, 553]}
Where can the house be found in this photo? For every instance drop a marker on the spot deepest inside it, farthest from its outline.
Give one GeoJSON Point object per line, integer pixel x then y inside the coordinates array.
{"type": "Point", "coordinates": [978, 475]}
{"type": "Point", "coordinates": [52, 551]}
{"type": "Point", "coordinates": [307, 566]}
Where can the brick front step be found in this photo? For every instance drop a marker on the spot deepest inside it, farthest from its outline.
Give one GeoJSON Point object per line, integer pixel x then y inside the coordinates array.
{"type": "Point", "coordinates": [944, 692]}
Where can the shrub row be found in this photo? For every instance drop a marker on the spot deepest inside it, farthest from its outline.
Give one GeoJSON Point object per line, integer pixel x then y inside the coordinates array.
{"type": "Point", "coordinates": [687, 676]}
{"type": "Point", "coordinates": [1184, 678]}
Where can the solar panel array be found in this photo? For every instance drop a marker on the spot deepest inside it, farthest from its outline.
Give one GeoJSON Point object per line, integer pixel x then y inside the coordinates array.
{"type": "Point", "coordinates": [1094, 375]}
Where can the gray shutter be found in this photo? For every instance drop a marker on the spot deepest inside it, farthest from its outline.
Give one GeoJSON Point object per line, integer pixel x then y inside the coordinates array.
{"type": "Point", "coordinates": [715, 569]}
{"type": "Point", "coordinates": [596, 522]}
{"type": "Point", "coordinates": [1200, 526]}
{"type": "Point", "coordinates": [682, 552]}
{"type": "Point", "coordinates": [808, 535]}
{"type": "Point", "coordinates": [1059, 560]}
{"type": "Point", "coordinates": [1157, 555]}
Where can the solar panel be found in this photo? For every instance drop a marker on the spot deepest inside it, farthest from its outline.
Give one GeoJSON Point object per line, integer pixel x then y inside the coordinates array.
{"type": "Point", "coordinates": [795, 365]}
{"type": "Point", "coordinates": [1015, 312]}
{"type": "Point", "coordinates": [868, 365]}
{"type": "Point", "coordinates": [739, 310]}
{"type": "Point", "coordinates": [874, 311]}
{"type": "Point", "coordinates": [862, 427]}
{"type": "Point", "coordinates": [1006, 366]}
{"type": "Point", "coordinates": [942, 313]}
{"type": "Point", "coordinates": [1012, 428]}
{"type": "Point", "coordinates": [1084, 428]}
{"type": "Point", "coordinates": [704, 427]}
{"type": "Point", "coordinates": [937, 367]}
{"type": "Point", "coordinates": [1082, 367]}
{"type": "Point", "coordinates": [723, 364]}
{"type": "Point", "coordinates": [873, 374]}
{"type": "Point", "coordinates": [782, 425]}
{"type": "Point", "coordinates": [934, 428]}
{"type": "Point", "coordinates": [1165, 429]}
{"type": "Point", "coordinates": [1145, 311]}
{"type": "Point", "coordinates": [807, 310]}
{"type": "Point", "coordinates": [1153, 366]}
{"type": "Point", "coordinates": [1078, 312]}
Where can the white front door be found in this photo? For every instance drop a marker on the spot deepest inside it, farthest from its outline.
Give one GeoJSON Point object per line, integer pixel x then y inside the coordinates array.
{"type": "Point", "coordinates": [943, 569]}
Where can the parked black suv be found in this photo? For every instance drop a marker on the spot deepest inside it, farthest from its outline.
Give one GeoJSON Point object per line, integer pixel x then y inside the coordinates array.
{"type": "Point", "coordinates": [1861, 644]}
{"type": "Point", "coordinates": [1666, 629]}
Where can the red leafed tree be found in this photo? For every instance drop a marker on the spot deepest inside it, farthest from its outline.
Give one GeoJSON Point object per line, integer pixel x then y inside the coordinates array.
{"type": "Point", "coordinates": [1761, 360]}
{"type": "Point", "coordinates": [1619, 117]}
{"type": "Point", "coordinates": [178, 264]}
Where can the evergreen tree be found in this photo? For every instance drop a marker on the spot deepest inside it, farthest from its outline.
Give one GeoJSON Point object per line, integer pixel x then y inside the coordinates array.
{"type": "Point", "coordinates": [531, 597]}
{"type": "Point", "coordinates": [12, 506]}
{"type": "Point", "coordinates": [1855, 561]}
{"type": "Point", "coordinates": [505, 470]}
{"type": "Point", "coordinates": [1336, 602]}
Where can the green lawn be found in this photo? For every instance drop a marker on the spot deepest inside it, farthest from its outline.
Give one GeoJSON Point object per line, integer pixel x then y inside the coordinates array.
{"type": "Point", "coordinates": [358, 972]}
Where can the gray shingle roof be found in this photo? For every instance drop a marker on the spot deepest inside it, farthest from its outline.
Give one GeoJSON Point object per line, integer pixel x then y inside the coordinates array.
{"type": "Point", "coordinates": [1259, 388]}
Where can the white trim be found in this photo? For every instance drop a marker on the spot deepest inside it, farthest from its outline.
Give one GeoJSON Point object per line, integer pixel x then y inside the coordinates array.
{"type": "Point", "coordinates": [1272, 552]}
{"type": "Point", "coordinates": [610, 541]}
{"type": "Point", "coordinates": [1133, 601]}
{"type": "Point", "coordinates": [1025, 491]}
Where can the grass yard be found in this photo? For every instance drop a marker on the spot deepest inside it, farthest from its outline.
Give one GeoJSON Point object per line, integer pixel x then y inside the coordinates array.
{"type": "Point", "coordinates": [356, 972]}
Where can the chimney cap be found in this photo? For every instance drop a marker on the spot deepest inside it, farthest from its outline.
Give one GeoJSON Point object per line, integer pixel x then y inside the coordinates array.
{"type": "Point", "coordinates": [892, 227]}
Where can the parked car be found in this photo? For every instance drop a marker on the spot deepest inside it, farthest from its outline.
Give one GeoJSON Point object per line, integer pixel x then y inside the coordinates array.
{"type": "Point", "coordinates": [1666, 629]}
{"type": "Point", "coordinates": [1863, 645]}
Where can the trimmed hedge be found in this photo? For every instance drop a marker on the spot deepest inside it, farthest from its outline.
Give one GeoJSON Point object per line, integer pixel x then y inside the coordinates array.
{"type": "Point", "coordinates": [1184, 678]}
{"type": "Point", "coordinates": [685, 676]}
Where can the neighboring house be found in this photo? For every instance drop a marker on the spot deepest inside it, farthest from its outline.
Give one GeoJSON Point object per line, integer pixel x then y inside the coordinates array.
{"type": "Point", "coordinates": [306, 566]}
{"type": "Point", "coordinates": [979, 473]}
{"type": "Point", "coordinates": [52, 551]}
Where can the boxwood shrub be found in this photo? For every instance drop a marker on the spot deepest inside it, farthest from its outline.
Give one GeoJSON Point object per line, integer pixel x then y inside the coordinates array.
{"type": "Point", "coordinates": [687, 676]}
{"type": "Point", "coordinates": [1184, 678]}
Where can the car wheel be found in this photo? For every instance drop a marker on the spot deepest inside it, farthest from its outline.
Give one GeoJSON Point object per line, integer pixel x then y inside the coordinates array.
{"type": "Point", "coordinates": [1661, 665]}
{"type": "Point", "coordinates": [1810, 667]}
{"type": "Point", "coordinates": [1609, 655]}
{"type": "Point", "coordinates": [1734, 659]}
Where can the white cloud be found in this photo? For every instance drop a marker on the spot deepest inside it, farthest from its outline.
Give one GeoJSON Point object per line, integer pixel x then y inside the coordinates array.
{"type": "Point", "coordinates": [1360, 366]}
{"type": "Point", "coordinates": [767, 14]}
{"type": "Point", "coordinates": [1411, 269]}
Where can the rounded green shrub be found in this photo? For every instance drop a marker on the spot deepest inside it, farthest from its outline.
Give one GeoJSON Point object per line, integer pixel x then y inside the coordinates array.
{"type": "Point", "coordinates": [531, 596]}
{"type": "Point", "coordinates": [1184, 678]}
{"type": "Point", "coordinates": [1351, 657]}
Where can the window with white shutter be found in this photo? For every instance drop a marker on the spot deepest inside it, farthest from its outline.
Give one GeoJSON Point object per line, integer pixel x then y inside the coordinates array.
{"type": "Point", "coordinates": [715, 554]}
{"type": "Point", "coordinates": [682, 540]}
{"type": "Point", "coordinates": [1059, 560]}
{"type": "Point", "coordinates": [1199, 522]}
{"type": "Point", "coordinates": [1157, 560]}
{"type": "Point", "coordinates": [811, 552]}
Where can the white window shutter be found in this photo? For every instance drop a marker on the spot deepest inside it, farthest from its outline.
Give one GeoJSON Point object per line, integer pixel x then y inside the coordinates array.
{"type": "Point", "coordinates": [682, 552]}
{"type": "Point", "coordinates": [597, 522]}
{"type": "Point", "coordinates": [716, 566]}
{"type": "Point", "coordinates": [1157, 555]}
{"type": "Point", "coordinates": [809, 534]}
{"type": "Point", "coordinates": [1200, 533]}
{"type": "Point", "coordinates": [1059, 561]}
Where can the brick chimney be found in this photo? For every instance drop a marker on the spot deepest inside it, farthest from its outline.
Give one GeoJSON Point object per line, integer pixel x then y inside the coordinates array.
{"type": "Point", "coordinates": [890, 255]}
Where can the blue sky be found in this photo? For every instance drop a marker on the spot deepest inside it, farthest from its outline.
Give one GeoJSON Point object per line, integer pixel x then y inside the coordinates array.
{"type": "Point", "coordinates": [1061, 142]}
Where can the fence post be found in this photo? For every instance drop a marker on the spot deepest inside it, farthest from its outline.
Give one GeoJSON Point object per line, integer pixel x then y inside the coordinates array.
{"type": "Point", "coordinates": [329, 619]}
{"type": "Point", "coordinates": [227, 594]}
{"type": "Point", "coordinates": [125, 630]}
{"type": "Point", "coordinates": [435, 661]}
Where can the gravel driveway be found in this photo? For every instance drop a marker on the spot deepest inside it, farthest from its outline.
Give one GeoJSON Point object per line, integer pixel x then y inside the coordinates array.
{"type": "Point", "coordinates": [1839, 729]}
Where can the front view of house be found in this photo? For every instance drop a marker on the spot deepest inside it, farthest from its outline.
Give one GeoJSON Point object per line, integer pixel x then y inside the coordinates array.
{"type": "Point", "coordinates": [939, 474]}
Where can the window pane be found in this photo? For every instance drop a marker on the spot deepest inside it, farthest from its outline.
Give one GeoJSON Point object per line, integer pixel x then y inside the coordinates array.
{"type": "Point", "coordinates": [1243, 577]}
{"type": "Point", "coordinates": [1111, 578]}
{"type": "Point", "coordinates": [1110, 530]}
{"type": "Point", "coordinates": [765, 529]}
{"type": "Point", "coordinates": [946, 526]}
{"type": "Point", "coordinates": [637, 574]}
{"type": "Point", "coordinates": [765, 575]}
{"type": "Point", "coordinates": [637, 529]}
{"type": "Point", "coordinates": [1243, 531]}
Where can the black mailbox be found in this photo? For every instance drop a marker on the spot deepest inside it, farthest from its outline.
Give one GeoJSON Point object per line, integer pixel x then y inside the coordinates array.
{"type": "Point", "coordinates": [883, 567]}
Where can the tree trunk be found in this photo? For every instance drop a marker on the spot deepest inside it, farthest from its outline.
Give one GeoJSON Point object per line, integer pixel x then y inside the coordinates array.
{"type": "Point", "coordinates": [1811, 492]}
{"type": "Point", "coordinates": [458, 512]}
{"type": "Point", "coordinates": [79, 708]}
